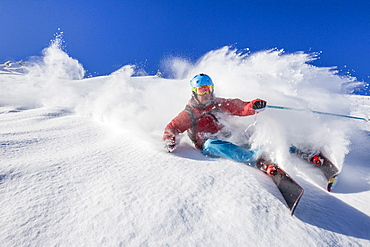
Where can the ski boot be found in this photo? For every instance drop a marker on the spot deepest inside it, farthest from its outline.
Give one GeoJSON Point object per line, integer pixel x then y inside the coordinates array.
{"type": "Point", "coordinates": [267, 167]}
{"type": "Point", "coordinates": [317, 160]}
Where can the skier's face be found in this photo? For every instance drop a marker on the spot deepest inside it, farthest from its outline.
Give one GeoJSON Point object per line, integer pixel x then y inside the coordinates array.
{"type": "Point", "coordinates": [204, 94]}
{"type": "Point", "coordinates": [204, 99]}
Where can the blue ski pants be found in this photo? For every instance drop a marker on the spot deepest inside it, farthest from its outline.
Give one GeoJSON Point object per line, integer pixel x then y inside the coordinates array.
{"type": "Point", "coordinates": [225, 149]}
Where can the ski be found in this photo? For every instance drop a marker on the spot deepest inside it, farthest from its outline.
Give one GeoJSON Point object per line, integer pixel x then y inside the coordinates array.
{"type": "Point", "coordinates": [288, 187]}
{"type": "Point", "coordinates": [328, 169]}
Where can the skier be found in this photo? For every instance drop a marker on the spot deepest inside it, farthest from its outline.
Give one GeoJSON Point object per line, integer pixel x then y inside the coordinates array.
{"type": "Point", "coordinates": [201, 119]}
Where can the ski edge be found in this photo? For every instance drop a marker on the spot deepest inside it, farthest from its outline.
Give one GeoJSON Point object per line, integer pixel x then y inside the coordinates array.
{"type": "Point", "coordinates": [292, 210]}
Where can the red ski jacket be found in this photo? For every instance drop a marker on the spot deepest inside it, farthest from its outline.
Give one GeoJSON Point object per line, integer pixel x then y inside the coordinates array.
{"type": "Point", "coordinates": [201, 123]}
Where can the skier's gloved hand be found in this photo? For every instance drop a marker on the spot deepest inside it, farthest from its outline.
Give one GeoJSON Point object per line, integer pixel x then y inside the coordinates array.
{"type": "Point", "coordinates": [259, 105]}
{"type": "Point", "coordinates": [292, 149]}
{"type": "Point", "coordinates": [170, 146]}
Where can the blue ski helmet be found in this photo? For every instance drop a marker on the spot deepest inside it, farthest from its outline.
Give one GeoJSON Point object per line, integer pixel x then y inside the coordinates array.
{"type": "Point", "coordinates": [201, 80]}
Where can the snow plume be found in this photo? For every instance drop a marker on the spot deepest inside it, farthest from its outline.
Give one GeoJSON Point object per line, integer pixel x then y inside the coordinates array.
{"type": "Point", "coordinates": [146, 104]}
{"type": "Point", "coordinates": [142, 104]}
{"type": "Point", "coordinates": [56, 64]}
{"type": "Point", "coordinates": [46, 81]}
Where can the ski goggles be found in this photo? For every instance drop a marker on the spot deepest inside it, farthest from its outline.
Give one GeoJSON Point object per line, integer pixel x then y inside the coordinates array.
{"type": "Point", "coordinates": [203, 90]}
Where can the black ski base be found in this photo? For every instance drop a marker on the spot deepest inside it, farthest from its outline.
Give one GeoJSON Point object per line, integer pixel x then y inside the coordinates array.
{"type": "Point", "coordinates": [288, 187]}
{"type": "Point", "coordinates": [328, 169]}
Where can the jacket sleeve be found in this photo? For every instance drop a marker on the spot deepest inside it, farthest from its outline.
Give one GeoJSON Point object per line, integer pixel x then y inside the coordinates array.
{"type": "Point", "coordinates": [238, 107]}
{"type": "Point", "coordinates": [178, 125]}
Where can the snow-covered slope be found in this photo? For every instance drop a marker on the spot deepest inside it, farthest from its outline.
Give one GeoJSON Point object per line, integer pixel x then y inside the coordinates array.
{"type": "Point", "coordinates": [81, 162]}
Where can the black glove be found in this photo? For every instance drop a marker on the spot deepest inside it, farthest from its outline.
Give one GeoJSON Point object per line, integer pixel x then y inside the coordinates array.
{"type": "Point", "coordinates": [259, 105]}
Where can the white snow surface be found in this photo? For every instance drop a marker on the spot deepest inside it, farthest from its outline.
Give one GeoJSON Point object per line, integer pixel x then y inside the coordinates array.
{"type": "Point", "coordinates": [82, 163]}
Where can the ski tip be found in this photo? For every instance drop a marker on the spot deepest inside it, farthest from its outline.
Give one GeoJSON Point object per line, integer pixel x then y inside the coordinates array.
{"type": "Point", "coordinates": [331, 183]}
{"type": "Point", "coordinates": [292, 209]}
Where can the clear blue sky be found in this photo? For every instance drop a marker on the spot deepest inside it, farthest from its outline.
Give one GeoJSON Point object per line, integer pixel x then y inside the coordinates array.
{"type": "Point", "coordinates": [105, 35]}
